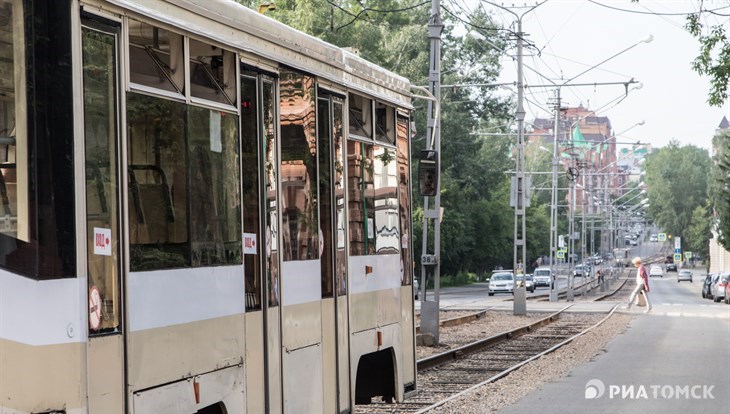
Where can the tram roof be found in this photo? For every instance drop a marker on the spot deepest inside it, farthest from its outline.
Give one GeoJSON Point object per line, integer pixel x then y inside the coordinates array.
{"type": "Point", "coordinates": [259, 36]}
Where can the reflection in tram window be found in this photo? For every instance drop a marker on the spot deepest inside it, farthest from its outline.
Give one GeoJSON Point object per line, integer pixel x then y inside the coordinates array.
{"type": "Point", "coordinates": [37, 190]}
{"type": "Point", "coordinates": [270, 181]}
{"type": "Point", "coordinates": [361, 198]}
{"type": "Point", "coordinates": [298, 167]}
{"type": "Point", "coordinates": [324, 135]}
{"type": "Point", "coordinates": [385, 180]}
{"type": "Point", "coordinates": [404, 196]}
{"type": "Point", "coordinates": [338, 152]}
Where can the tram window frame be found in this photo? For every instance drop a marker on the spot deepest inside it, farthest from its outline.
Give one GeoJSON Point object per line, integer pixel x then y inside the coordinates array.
{"type": "Point", "coordinates": [250, 91]}
{"type": "Point", "coordinates": [358, 188]}
{"type": "Point", "coordinates": [360, 121]}
{"type": "Point", "coordinates": [405, 199]}
{"type": "Point", "coordinates": [384, 123]}
{"type": "Point", "coordinates": [167, 59]}
{"type": "Point", "coordinates": [300, 221]}
{"type": "Point", "coordinates": [212, 76]}
{"type": "Point", "coordinates": [44, 246]}
{"type": "Point", "coordinates": [187, 243]}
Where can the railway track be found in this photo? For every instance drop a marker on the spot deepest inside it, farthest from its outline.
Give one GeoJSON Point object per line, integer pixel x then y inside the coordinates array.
{"type": "Point", "coordinates": [445, 376]}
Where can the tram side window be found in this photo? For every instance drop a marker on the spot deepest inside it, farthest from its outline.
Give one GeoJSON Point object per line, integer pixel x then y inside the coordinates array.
{"type": "Point", "coordinates": [37, 209]}
{"type": "Point", "coordinates": [215, 202]}
{"type": "Point", "coordinates": [156, 57]}
{"type": "Point", "coordinates": [361, 116]}
{"type": "Point", "coordinates": [172, 190]}
{"type": "Point", "coordinates": [212, 73]}
{"type": "Point", "coordinates": [404, 197]}
{"type": "Point", "coordinates": [300, 218]}
{"type": "Point", "coordinates": [251, 189]}
{"type": "Point", "coordinates": [11, 93]}
{"type": "Point", "coordinates": [385, 184]}
{"type": "Point", "coordinates": [157, 174]}
{"type": "Point", "coordinates": [361, 200]}
{"type": "Point", "coordinates": [384, 123]}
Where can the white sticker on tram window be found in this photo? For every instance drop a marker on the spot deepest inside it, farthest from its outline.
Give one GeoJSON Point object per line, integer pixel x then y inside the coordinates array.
{"type": "Point", "coordinates": [249, 243]}
{"type": "Point", "coordinates": [102, 241]}
{"type": "Point", "coordinates": [215, 132]}
{"type": "Point", "coordinates": [94, 308]}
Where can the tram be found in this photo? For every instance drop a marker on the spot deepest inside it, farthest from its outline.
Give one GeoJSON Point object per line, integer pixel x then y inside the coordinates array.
{"type": "Point", "coordinates": [203, 211]}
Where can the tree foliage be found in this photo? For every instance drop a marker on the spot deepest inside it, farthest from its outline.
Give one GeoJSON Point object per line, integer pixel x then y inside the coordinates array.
{"type": "Point", "coordinates": [676, 180]}
{"type": "Point", "coordinates": [714, 57]}
{"type": "Point", "coordinates": [720, 187]}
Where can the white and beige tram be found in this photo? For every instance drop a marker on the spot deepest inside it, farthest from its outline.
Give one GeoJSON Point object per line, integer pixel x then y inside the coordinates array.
{"type": "Point", "coordinates": [203, 210]}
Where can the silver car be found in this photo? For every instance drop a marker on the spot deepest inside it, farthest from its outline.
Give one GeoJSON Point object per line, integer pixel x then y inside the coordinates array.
{"type": "Point", "coordinates": [718, 286]}
{"type": "Point", "coordinates": [542, 276]}
{"type": "Point", "coordinates": [684, 275]}
{"type": "Point", "coordinates": [502, 282]}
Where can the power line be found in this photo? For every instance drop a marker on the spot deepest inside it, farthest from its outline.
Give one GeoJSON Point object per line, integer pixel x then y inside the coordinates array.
{"type": "Point", "coordinates": [653, 13]}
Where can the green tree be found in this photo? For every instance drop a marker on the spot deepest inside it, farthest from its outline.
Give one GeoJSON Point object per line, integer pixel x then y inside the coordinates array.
{"type": "Point", "coordinates": [698, 233]}
{"type": "Point", "coordinates": [720, 187]}
{"type": "Point", "coordinates": [676, 180]}
{"type": "Point", "coordinates": [714, 57]}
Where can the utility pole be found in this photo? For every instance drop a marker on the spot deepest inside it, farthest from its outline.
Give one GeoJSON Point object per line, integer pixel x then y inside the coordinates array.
{"type": "Point", "coordinates": [554, 204]}
{"type": "Point", "coordinates": [520, 265]}
{"type": "Point", "coordinates": [430, 308]}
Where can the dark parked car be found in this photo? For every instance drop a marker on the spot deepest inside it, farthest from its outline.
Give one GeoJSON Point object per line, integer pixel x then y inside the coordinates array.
{"type": "Point", "coordinates": [706, 285]}
{"type": "Point", "coordinates": [671, 267]}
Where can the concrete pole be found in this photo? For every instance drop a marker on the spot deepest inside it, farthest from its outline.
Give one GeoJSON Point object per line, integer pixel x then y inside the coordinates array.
{"type": "Point", "coordinates": [520, 254]}
{"type": "Point", "coordinates": [430, 309]}
{"type": "Point", "coordinates": [554, 203]}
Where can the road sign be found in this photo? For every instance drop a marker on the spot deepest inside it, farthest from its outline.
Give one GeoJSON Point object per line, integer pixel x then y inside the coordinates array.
{"type": "Point", "coordinates": [677, 243]}
{"type": "Point", "coordinates": [677, 251]}
{"type": "Point", "coordinates": [677, 257]}
{"type": "Point", "coordinates": [662, 237]}
{"type": "Point", "coordinates": [560, 254]}
{"type": "Point", "coordinates": [687, 255]}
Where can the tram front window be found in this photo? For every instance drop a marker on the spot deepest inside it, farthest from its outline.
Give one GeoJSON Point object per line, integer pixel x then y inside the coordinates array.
{"type": "Point", "coordinates": [11, 97]}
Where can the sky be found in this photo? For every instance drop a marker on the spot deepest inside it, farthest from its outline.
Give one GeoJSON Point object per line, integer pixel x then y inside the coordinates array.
{"type": "Point", "coordinates": [572, 36]}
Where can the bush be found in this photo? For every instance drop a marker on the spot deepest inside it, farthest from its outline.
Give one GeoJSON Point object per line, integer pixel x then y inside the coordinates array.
{"type": "Point", "coordinates": [461, 279]}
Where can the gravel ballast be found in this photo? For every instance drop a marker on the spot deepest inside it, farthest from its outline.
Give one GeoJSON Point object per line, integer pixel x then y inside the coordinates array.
{"type": "Point", "coordinates": [492, 397]}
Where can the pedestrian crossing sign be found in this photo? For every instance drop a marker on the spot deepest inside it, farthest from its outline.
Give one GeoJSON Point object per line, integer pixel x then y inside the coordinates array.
{"type": "Point", "coordinates": [687, 255]}
{"type": "Point", "coordinates": [560, 254]}
{"type": "Point", "coordinates": [677, 257]}
{"type": "Point", "coordinates": [662, 237]}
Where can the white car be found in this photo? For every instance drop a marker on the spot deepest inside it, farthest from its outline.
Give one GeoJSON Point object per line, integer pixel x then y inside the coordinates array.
{"type": "Point", "coordinates": [543, 276]}
{"type": "Point", "coordinates": [655, 270]}
{"type": "Point", "coordinates": [502, 282]}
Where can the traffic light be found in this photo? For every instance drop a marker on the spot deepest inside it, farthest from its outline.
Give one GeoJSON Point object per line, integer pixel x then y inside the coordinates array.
{"type": "Point", "coordinates": [428, 173]}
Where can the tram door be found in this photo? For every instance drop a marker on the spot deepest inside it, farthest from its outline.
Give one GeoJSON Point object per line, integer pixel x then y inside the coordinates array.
{"type": "Point", "coordinates": [105, 349]}
{"type": "Point", "coordinates": [334, 253]}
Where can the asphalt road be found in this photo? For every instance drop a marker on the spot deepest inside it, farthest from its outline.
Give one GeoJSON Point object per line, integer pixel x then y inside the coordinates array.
{"type": "Point", "coordinates": [675, 359]}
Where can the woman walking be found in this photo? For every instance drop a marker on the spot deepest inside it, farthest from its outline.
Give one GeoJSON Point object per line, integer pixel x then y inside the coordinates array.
{"type": "Point", "coordinates": [642, 284]}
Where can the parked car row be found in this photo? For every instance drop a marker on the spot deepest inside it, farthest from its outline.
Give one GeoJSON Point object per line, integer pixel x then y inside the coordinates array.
{"type": "Point", "coordinates": [716, 287]}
